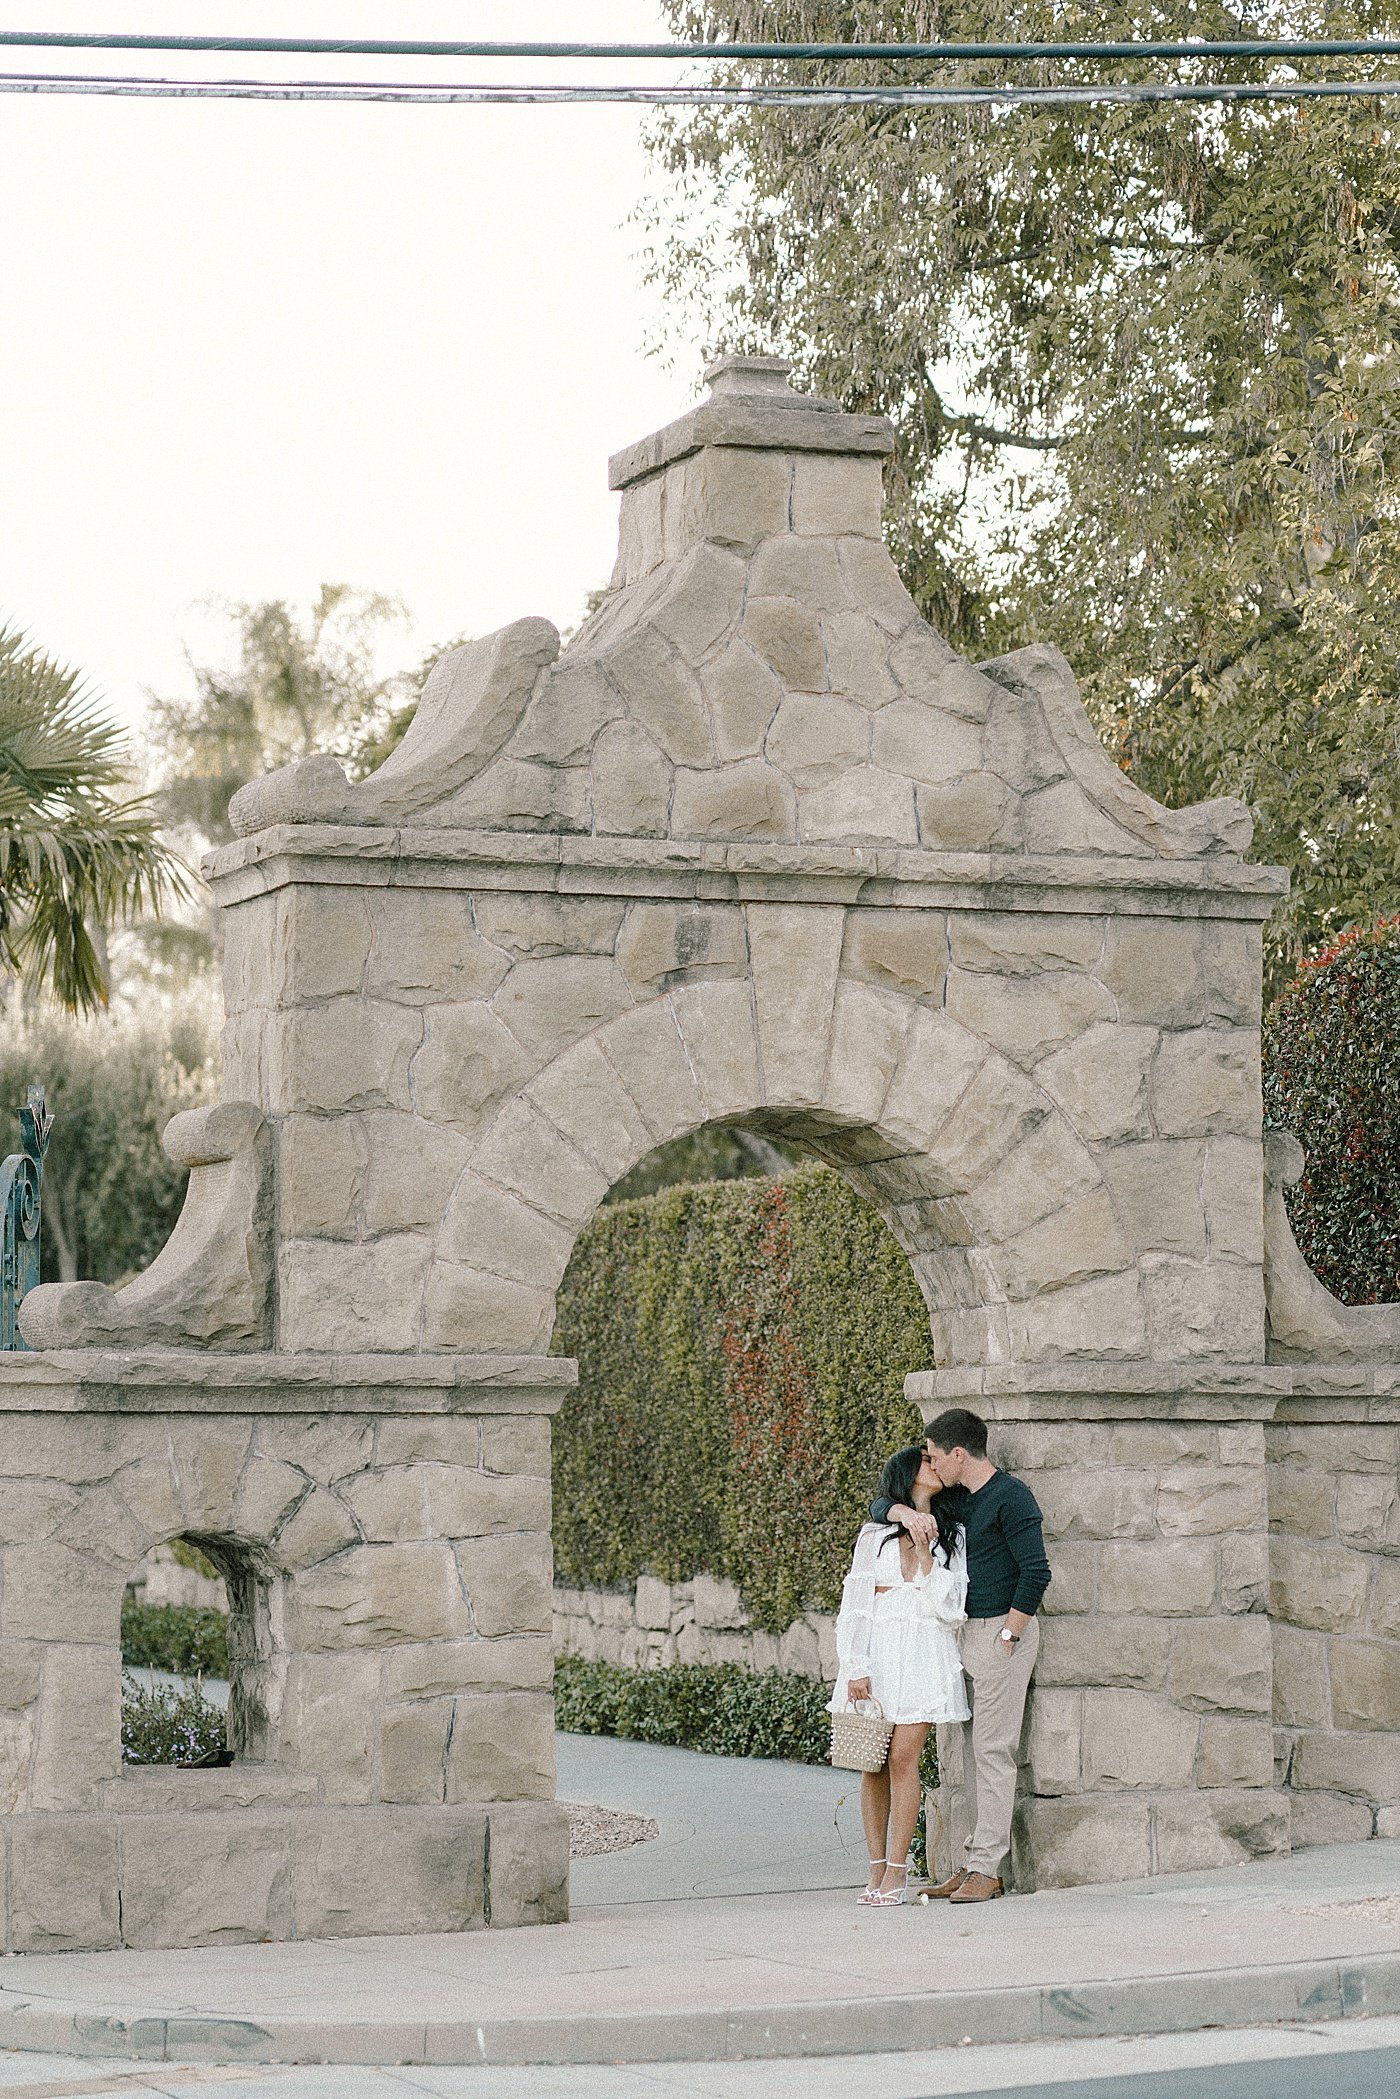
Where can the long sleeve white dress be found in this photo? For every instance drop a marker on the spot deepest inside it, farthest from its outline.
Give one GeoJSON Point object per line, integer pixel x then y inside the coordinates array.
{"type": "Point", "coordinates": [902, 1633]}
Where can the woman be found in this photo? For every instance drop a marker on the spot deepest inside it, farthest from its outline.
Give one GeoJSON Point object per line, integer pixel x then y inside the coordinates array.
{"type": "Point", "coordinates": [895, 1643]}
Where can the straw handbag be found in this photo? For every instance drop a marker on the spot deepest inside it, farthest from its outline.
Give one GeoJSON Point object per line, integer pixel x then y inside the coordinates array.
{"type": "Point", "coordinates": [860, 1740]}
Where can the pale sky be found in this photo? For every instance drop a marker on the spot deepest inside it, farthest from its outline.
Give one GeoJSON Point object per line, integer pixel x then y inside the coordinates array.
{"type": "Point", "coordinates": [248, 348]}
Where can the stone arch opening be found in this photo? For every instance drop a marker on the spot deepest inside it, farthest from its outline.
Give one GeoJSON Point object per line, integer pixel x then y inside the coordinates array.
{"type": "Point", "coordinates": [742, 1346]}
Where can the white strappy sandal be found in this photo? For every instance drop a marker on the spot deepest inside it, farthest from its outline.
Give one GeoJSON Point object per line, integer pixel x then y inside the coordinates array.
{"type": "Point", "coordinates": [895, 1895]}
{"type": "Point", "coordinates": [867, 1895]}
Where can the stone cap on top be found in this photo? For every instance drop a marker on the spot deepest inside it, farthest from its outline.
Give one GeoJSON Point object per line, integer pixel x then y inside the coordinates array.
{"type": "Point", "coordinates": [751, 404]}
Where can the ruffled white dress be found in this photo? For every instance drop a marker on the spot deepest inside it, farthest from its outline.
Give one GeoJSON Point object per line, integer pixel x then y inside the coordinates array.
{"type": "Point", "coordinates": [904, 1638]}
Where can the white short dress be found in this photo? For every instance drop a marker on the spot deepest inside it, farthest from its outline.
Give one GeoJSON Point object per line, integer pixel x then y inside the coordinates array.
{"type": "Point", "coordinates": [905, 1638]}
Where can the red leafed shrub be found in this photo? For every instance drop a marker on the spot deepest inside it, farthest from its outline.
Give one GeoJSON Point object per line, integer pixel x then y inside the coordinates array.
{"type": "Point", "coordinates": [1332, 1076]}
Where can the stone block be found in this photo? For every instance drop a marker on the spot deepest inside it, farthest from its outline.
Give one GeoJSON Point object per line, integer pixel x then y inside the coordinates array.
{"type": "Point", "coordinates": [1235, 1753]}
{"type": "Point", "coordinates": [529, 1865]}
{"type": "Point", "coordinates": [1328, 1818]}
{"type": "Point", "coordinates": [1100, 1080]}
{"type": "Point", "coordinates": [1385, 1598]}
{"type": "Point", "coordinates": [865, 806]}
{"type": "Point", "coordinates": [376, 1595]}
{"type": "Point", "coordinates": [497, 1232]}
{"type": "Point", "coordinates": [1156, 1184]}
{"type": "Point", "coordinates": [413, 1747]}
{"type": "Point", "coordinates": [662, 944]}
{"type": "Point", "coordinates": [662, 696]}
{"type": "Point", "coordinates": [1096, 1650]}
{"type": "Point", "coordinates": [1303, 1503]}
{"type": "Point", "coordinates": [1364, 1766]}
{"type": "Point", "coordinates": [702, 600]}
{"type": "Point", "coordinates": [1209, 1829]}
{"type": "Point", "coordinates": [363, 1298]}
{"type": "Point", "coordinates": [365, 1871]}
{"type": "Point", "coordinates": [1244, 1572]}
{"type": "Point", "coordinates": [1075, 1585]}
{"type": "Point", "coordinates": [389, 1505]}
{"type": "Point", "coordinates": [799, 1650]}
{"type": "Point", "coordinates": [867, 1036]}
{"type": "Point", "coordinates": [1203, 1309]}
{"type": "Point", "coordinates": [322, 1525]}
{"type": "Point", "coordinates": [1101, 1321]}
{"type": "Point", "coordinates": [922, 742]}
{"type": "Point", "coordinates": [1097, 1505]}
{"type": "Point", "coordinates": [1205, 1082]}
{"type": "Point", "coordinates": [1232, 1192]}
{"type": "Point", "coordinates": [1367, 1508]}
{"type": "Point", "coordinates": [816, 737]}
{"type": "Point", "coordinates": [548, 1004]}
{"type": "Point", "coordinates": [524, 1152]}
{"type": "Point", "coordinates": [1365, 1685]}
{"type": "Point", "coordinates": [1027, 1017]}
{"type": "Point", "coordinates": [570, 704]}
{"type": "Point", "coordinates": [718, 1604]}
{"type": "Point", "coordinates": [77, 1735]}
{"type": "Point", "coordinates": [1347, 1447]}
{"type": "Point", "coordinates": [1223, 1665]}
{"type": "Point", "coordinates": [653, 1604]}
{"type": "Point", "coordinates": [1204, 1500]}
{"type": "Point", "coordinates": [64, 1884]}
{"type": "Point", "coordinates": [320, 944]}
{"type": "Point", "coordinates": [1075, 1243]}
{"type": "Point", "coordinates": [517, 1443]}
{"type": "Point", "coordinates": [974, 813]}
{"type": "Point", "coordinates": [465, 1503]}
{"type": "Point", "coordinates": [786, 636]}
{"type": "Point", "coordinates": [631, 783]}
{"type": "Point", "coordinates": [902, 951]}
{"type": "Point", "coordinates": [1076, 1843]}
{"type": "Point", "coordinates": [1132, 1740]}
{"type": "Point", "coordinates": [796, 953]}
{"type": "Point", "coordinates": [328, 1722]}
{"type": "Point", "coordinates": [1302, 1686]}
{"type": "Point", "coordinates": [731, 495]}
{"type": "Point", "coordinates": [835, 494]}
{"type": "Point", "coordinates": [437, 1668]}
{"type": "Point", "coordinates": [1320, 1586]}
{"type": "Point", "coordinates": [50, 1592]}
{"type": "Point", "coordinates": [646, 1043]}
{"type": "Point", "coordinates": [426, 947]}
{"type": "Point", "coordinates": [508, 1582]}
{"type": "Point", "coordinates": [1054, 1736]}
{"type": "Point", "coordinates": [502, 1747]}
{"type": "Point", "coordinates": [346, 1054]}
{"type": "Point", "coordinates": [717, 1026]}
{"type": "Point", "coordinates": [743, 695]}
{"type": "Point", "coordinates": [208, 1879]}
{"type": "Point", "coordinates": [468, 1064]}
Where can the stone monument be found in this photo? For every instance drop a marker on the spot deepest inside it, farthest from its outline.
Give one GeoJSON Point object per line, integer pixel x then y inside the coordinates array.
{"type": "Point", "coordinates": [756, 846]}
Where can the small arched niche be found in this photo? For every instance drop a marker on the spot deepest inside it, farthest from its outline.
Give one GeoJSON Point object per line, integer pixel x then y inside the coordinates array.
{"type": "Point", "coordinates": [199, 1611]}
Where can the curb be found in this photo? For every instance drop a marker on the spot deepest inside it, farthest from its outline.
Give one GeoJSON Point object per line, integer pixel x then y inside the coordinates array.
{"type": "Point", "coordinates": [1367, 1986]}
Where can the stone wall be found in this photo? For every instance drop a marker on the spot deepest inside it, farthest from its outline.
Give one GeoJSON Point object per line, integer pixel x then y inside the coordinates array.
{"type": "Point", "coordinates": [1334, 1511]}
{"type": "Point", "coordinates": [702, 1620]}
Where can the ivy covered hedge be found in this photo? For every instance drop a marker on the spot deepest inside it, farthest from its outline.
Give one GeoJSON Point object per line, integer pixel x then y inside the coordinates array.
{"type": "Point", "coordinates": [742, 1350]}
{"type": "Point", "coordinates": [1332, 1076]}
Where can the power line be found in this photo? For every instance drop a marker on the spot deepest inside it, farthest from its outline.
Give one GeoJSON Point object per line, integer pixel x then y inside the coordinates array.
{"type": "Point", "coordinates": [930, 95]}
{"type": "Point", "coordinates": [380, 47]}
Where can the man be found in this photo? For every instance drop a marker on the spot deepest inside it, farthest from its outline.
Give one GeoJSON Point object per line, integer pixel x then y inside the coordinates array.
{"type": "Point", "coordinates": [1007, 1575]}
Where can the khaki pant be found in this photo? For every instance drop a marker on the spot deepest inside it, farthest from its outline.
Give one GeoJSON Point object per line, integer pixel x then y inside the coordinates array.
{"type": "Point", "coordinates": [997, 1682]}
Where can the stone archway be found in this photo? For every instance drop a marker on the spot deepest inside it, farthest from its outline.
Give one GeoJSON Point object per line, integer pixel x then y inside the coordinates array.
{"type": "Point", "coordinates": [755, 843]}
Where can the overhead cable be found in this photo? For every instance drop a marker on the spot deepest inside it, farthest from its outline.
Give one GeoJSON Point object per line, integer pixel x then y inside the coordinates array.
{"type": "Point", "coordinates": [925, 96]}
{"type": "Point", "coordinates": [383, 47]}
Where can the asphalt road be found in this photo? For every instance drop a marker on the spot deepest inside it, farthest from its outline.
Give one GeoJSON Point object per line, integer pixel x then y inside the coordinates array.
{"type": "Point", "coordinates": [1372, 2074]}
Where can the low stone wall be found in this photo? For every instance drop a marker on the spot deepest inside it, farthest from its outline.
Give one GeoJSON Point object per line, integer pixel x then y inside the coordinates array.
{"type": "Point", "coordinates": [702, 1620]}
{"type": "Point", "coordinates": [1334, 1510]}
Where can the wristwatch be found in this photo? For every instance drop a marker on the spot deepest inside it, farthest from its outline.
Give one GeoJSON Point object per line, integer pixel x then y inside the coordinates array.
{"type": "Point", "coordinates": [1008, 1638]}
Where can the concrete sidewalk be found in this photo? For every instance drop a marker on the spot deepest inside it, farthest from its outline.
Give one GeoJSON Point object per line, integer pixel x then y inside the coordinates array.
{"type": "Point", "coordinates": [1307, 1939]}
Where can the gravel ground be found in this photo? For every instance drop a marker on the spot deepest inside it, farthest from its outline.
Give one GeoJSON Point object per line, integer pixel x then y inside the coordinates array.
{"type": "Point", "coordinates": [594, 1830]}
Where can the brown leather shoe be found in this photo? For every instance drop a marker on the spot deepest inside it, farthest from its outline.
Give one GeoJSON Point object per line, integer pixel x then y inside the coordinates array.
{"type": "Point", "coordinates": [978, 1887]}
{"type": "Point", "coordinates": [946, 1889]}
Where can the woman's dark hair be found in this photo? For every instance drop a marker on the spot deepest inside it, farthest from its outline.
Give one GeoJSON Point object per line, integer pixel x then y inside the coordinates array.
{"type": "Point", "coordinates": [897, 1484]}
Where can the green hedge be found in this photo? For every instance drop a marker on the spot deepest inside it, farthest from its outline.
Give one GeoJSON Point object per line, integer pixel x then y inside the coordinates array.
{"type": "Point", "coordinates": [1332, 1076]}
{"type": "Point", "coordinates": [175, 1636]}
{"type": "Point", "coordinates": [723, 1710]}
{"type": "Point", "coordinates": [742, 1350]}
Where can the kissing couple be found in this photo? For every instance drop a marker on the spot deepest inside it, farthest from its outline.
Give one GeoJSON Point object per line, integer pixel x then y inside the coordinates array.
{"type": "Point", "coordinates": [938, 1626]}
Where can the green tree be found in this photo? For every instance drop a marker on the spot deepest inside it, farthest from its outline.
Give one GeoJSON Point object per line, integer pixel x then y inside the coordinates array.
{"type": "Point", "coordinates": [298, 684]}
{"type": "Point", "coordinates": [1143, 363]}
{"type": "Point", "coordinates": [111, 1196]}
{"type": "Point", "coordinates": [76, 853]}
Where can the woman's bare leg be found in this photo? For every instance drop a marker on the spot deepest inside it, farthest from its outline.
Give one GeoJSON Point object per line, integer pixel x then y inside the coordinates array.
{"type": "Point", "coordinates": [875, 1814]}
{"type": "Point", "coordinates": [906, 1747]}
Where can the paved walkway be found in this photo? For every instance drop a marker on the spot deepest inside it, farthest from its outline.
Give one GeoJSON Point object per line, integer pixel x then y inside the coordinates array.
{"type": "Point", "coordinates": [732, 1936]}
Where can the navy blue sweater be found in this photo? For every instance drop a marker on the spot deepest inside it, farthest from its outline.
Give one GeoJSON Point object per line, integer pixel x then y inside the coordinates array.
{"type": "Point", "coordinates": [1006, 1565]}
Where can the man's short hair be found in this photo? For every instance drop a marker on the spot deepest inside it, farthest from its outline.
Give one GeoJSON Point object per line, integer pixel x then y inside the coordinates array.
{"type": "Point", "coordinates": [958, 1429]}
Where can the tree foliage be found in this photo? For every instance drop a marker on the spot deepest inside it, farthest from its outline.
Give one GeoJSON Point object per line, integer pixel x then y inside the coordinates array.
{"type": "Point", "coordinates": [111, 1196]}
{"type": "Point", "coordinates": [77, 853]}
{"type": "Point", "coordinates": [1144, 367]}
{"type": "Point", "coordinates": [1331, 1076]}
